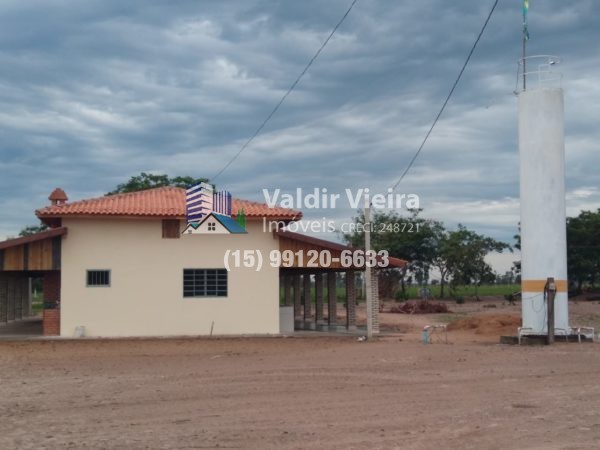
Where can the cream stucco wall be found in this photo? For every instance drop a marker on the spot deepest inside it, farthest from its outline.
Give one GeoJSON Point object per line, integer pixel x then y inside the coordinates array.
{"type": "Point", "coordinates": [146, 293]}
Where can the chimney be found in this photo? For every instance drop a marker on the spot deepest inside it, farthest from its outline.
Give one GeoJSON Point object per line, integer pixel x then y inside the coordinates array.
{"type": "Point", "coordinates": [58, 197]}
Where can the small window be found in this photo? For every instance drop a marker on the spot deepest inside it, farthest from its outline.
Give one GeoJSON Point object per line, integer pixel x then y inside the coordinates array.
{"type": "Point", "coordinates": [212, 226]}
{"type": "Point", "coordinates": [98, 278]}
{"type": "Point", "coordinates": [170, 229]}
{"type": "Point", "coordinates": [205, 283]}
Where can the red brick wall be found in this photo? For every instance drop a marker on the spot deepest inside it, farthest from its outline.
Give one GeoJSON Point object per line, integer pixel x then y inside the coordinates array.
{"type": "Point", "coordinates": [51, 317]}
{"type": "Point", "coordinates": [51, 322]}
{"type": "Point", "coordinates": [52, 287]}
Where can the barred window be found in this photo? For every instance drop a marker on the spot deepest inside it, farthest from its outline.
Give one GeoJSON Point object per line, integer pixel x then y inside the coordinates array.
{"type": "Point", "coordinates": [98, 278]}
{"type": "Point", "coordinates": [204, 282]}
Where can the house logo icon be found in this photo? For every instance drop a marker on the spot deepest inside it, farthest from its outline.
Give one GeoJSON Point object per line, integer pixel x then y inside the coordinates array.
{"type": "Point", "coordinates": [209, 212]}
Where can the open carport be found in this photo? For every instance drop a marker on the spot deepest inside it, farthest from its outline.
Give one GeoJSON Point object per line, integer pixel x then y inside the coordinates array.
{"type": "Point", "coordinates": [21, 260]}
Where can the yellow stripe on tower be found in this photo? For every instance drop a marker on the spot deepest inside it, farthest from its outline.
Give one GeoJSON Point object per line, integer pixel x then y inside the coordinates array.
{"type": "Point", "coordinates": [538, 285]}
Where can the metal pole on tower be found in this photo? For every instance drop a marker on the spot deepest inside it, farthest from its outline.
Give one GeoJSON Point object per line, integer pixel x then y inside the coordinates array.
{"type": "Point", "coordinates": [368, 284]}
{"type": "Point", "coordinates": [525, 39]}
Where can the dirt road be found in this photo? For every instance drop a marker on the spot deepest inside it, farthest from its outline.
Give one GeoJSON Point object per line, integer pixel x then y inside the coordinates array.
{"type": "Point", "coordinates": [297, 393]}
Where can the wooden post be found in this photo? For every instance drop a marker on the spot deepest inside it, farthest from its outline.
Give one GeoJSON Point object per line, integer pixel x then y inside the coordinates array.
{"type": "Point", "coordinates": [550, 290]}
{"type": "Point", "coordinates": [287, 290]}
{"type": "Point", "coordinates": [297, 300]}
{"type": "Point", "coordinates": [332, 300]}
{"type": "Point", "coordinates": [319, 299]}
{"type": "Point", "coordinates": [307, 300]}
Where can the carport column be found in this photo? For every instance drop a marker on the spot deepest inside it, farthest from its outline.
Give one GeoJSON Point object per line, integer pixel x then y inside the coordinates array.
{"type": "Point", "coordinates": [307, 301]}
{"type": "Point", "coordinates": [51, 318]}
{"type": "Point", "coordinates": [332, 297]}
{"type": "Point", "coordinates": [375, 301]}
{"type": "Point", "coordinates": [3, 299]}
{"type": "Point", "coordinates": [10, 293]}
{"type": "Point", "coordinates": [319, 299]}
{"type": "Point", "coordinates": [287, 290]}
{"type": "Point", "coordinates": [28, 296]}
{"type": "Point", "coordinates": [18, 293]}
{"type": "Point", "coordinates": [350, 301]}
{"type": "Point", "coordinates": [297, 301]}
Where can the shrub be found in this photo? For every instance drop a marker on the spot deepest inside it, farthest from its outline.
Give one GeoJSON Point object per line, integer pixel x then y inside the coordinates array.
{"type": "Point", "coordinates": [399, 297]}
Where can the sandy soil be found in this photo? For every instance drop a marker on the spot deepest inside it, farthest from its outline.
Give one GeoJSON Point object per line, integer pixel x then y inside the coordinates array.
{"type": "Point", "coordinates": [326, 392]}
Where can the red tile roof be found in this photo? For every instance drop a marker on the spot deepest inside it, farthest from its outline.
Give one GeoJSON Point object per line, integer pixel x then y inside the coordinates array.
{"type": "Point", "coordinates": [159, 202]}
{"type": "Point", "coordinates": [392, 261]}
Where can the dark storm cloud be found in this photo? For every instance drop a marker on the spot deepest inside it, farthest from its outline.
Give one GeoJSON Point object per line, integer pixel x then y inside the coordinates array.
{"type": "Point", "coordinates": [94, 92]}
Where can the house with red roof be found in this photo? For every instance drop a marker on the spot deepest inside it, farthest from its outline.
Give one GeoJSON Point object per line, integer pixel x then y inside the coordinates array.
{"type": "Point", "coordinates": [122, 265]}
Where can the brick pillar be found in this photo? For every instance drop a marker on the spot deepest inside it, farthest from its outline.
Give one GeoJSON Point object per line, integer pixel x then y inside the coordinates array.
{"type": "Point", "coordinates": [332, 299]}
{"type": "Point", "coordinates": [287, 290]}
{"type": "Point", "coordinates": [307, 299]}
{"type": "Point", "coordinates": [51, 316]}
{"type": "Point", "coordinates": [3, 299]}
{"type": "Point", "coordinates": [319, 299]}
{"type": "Point", "coordinates": [375, 300]}
{"type": "Point", "coordinates": [350, 300]}
{"type": "Point", "coordinates": [297, 299]}
{"type": "Point", "coordinates": [52, 287]}
{"type": "Point", "coordinates": [51, 322]}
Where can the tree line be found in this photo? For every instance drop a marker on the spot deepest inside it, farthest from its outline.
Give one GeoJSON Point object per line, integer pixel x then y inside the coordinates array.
{"type": "Point", "coordinates": [458, 256]}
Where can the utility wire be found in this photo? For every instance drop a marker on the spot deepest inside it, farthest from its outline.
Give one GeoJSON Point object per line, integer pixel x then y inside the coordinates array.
{"type": "Point", "coordinates": [416, 155]}
{"type": "Point", "coordinates": [289, 91]}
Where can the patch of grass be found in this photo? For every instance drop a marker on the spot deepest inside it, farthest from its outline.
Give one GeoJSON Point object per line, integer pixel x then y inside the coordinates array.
{"type": "Point", "coordinates": [467, 291]}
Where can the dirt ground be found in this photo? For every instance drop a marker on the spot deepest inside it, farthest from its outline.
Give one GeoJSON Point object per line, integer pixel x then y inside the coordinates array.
{"type": "Point", "coordinates": [304, 392]}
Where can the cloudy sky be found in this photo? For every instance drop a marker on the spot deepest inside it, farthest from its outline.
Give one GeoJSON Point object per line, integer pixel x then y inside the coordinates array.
{"type": "Point", "coordinates": [94, 92]}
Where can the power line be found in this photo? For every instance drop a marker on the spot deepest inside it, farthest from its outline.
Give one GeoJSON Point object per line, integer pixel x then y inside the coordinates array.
{"type": "Point", "coordinates": [294, 84]}
{"type": "Point", "coordinates": [416, 155]}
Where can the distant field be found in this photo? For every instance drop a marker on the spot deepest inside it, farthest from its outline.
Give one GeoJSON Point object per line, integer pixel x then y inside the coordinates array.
{"type": "Point", "coordinates": [413, 291]}
{"type": "Point", "coordinates": [468, 291]}
{"type": "Point", "coordinates": [37, 302]}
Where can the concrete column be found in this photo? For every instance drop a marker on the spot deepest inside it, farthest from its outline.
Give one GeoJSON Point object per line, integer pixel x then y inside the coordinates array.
{"type": "Point", "coordinates": [543, 211]}
{"type": "Point", "coordinates": [375, 301]}
{"type": "Point", "coordinates": [319, 300]}
{"type": "Point", "coordinates": [297, 299]}
{"type": "Point", "coordinates": [350, 300]}
{"type": "Point", "coordinates": [332, 298]}
{"type": "Point", "coordinates": [287, 290]}
{"type": "Point", "coordinates": [3, 299]}
{"type": "Point", "coordinates": [307, 301]}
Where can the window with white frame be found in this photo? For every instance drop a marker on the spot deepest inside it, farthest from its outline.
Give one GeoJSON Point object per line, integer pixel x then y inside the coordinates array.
{"type": "Point", "coordinates": [205, 282]}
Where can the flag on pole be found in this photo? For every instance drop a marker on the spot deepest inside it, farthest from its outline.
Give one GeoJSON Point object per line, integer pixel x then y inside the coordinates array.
{"type": "Point", "coordinates": [525, 10]}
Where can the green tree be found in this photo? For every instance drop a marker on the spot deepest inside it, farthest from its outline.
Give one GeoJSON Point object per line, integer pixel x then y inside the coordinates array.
{"type": "Point", "coordinates": [464, 253]}
{"type": "Point", "coordinates": [583, 248]}
{"type": "Point", "coordinates": [146, 181]}
{"type": "Point", "coordinates": [516, 266]}
{"type": "Point", "coordinates": [412, 238]}
{"type": "Point", "coordinates": [30, 230]}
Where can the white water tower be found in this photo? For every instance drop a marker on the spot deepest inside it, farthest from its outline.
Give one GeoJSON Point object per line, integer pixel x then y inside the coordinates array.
{"type": "Point", "coordinates": [542, 189]}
